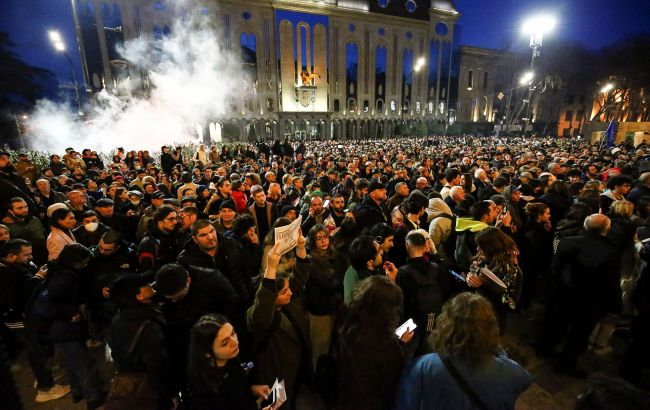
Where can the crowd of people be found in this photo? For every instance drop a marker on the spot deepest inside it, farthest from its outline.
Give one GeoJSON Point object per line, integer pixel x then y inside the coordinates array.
{"type": "Point", "coordinates": [171, 261]}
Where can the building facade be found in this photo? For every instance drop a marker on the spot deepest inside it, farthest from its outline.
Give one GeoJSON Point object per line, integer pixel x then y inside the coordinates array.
{"type": "Point", "coordinates": [325, 69]}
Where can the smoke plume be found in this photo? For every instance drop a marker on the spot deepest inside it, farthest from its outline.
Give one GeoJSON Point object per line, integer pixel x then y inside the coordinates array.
{"type": "Point", "coordinates": [192, 81]}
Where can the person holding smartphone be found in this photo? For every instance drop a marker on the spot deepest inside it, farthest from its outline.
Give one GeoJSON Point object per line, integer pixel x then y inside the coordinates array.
{"type": "Point", "coordinates": [370, 355]}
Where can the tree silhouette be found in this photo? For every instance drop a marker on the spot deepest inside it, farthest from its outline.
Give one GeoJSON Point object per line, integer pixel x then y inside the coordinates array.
{"type": "Point", "coordinates": [20, 86]}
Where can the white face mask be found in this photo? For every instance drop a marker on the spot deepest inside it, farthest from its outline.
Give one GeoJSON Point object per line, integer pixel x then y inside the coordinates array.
{"type": "Point", "coordinates": [91, 227]}
{"type": "Point", "coordinates": [135, 202]}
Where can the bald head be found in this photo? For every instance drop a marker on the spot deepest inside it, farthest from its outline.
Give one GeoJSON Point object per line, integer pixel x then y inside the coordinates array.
{"type": "Point", "coordinates": [645, 178]}
{"type": "Point", "coordinates": [597, 224]}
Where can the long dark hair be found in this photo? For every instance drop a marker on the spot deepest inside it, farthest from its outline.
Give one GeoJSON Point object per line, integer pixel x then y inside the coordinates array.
{"type": "Point", "coordinates": [498, 248]}
{"type": "Point", "coordinates": [202, 367]}
{"type": "Point", "coordinates": [373, 312]}
{"type": "Point", "coordinates": [58, 215]}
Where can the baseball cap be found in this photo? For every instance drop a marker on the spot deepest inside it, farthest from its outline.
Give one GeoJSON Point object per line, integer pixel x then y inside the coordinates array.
{"type": "Point", "coordinates": [374, 185]}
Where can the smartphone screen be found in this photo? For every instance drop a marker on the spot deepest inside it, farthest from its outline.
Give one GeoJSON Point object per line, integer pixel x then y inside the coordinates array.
{"type": "Point", "coordinates": [457, 275]}
{"type": "Point", "coordinates": [409, 324]}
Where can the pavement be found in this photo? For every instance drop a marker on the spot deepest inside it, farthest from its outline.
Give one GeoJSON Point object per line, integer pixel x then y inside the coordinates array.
{"type": "Point", "coordinates": [549, 391]}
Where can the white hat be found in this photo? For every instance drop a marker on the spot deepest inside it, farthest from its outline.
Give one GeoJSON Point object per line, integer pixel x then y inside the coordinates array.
{"type": "Point", "coordinates": [54, 207]}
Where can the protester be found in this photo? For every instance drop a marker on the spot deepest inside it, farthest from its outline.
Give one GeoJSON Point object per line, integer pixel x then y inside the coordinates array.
{"type": "Point", "coordinates": [218, 378]}
{"type": "Point", "coordinates": [154, 204]}
{"type": "Point", "coordinates": [468, 370]}
{"type": "Point", "coordinates": [371, 356]}
{"type": "Point", "coordinates": [280, 326]}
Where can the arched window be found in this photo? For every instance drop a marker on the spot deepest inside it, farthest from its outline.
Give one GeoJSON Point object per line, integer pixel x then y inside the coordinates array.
{"type": "Point", "coordinates": [351, 69]}
{"type": "Point", "coordinates": [381, 60]}
{"type": "Point", "coordinates": [304, 58]}
{"type": "Point", "coordinates": [407, 77]}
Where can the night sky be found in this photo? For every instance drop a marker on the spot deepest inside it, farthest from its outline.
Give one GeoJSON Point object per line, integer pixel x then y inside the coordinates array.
{"type": "Point", "coordinates": [485, 23]}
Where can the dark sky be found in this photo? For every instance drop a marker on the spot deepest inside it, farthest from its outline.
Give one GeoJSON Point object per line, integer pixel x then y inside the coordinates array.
{"type": "Point", "coordinates": [485, 23]}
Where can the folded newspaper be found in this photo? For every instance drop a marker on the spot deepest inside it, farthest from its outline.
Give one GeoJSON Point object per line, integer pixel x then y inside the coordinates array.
{"type": "Point", "coordinates": [287, 236]}
{"type": "Point", "coordinates": [279, 394]}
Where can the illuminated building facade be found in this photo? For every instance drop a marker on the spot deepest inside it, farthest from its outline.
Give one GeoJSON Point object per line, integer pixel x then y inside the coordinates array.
{"type": "Point", "coordinates": [328, 69]}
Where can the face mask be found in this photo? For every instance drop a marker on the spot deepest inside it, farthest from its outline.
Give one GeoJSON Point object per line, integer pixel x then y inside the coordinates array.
{"type": "Point", "coordinates": [91, 227]}
{"type": "Point", "coordinates": [135, 202]}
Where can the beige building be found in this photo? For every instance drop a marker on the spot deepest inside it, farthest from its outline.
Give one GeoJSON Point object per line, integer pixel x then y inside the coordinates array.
{"type": "Point", "coordinates": [490, 91]}
{"type": "Point", "coordinates": [359, 67]}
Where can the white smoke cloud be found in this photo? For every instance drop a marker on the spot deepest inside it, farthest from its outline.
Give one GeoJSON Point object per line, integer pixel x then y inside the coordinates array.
{"type": "Point", "coordinates": [192, 80]}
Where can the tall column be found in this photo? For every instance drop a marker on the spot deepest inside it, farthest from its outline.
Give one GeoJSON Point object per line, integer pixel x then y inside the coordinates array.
{"type": "Point", "coordinates": [103, 48]}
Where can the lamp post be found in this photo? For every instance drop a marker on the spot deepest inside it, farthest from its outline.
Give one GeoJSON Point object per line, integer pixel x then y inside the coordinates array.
{"type": "Point", "coordinates": [536, 28]}
{"type": "Point", "coordinates": [59, 46]}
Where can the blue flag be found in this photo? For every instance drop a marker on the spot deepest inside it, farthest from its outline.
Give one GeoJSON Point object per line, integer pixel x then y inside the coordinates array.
{"type": "Point", "coordinates": [610, 134]}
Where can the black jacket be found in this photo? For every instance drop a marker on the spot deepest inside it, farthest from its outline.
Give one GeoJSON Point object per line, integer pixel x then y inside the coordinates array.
{"type": "Point", "coordinates": [89, 239]}
{"type": "Point", "coordinates": [157, 249]}
{"type": "Point", "coordinates": [369, 213]}
{"type": "Point", "coordinates": [233, 391]}
{"type": "Point", "coordinates": [589, 266]}
{"type": "Point", "coordinates": [210, 292]}
{"type": "Point", "coordinates": [150, 353]}
{"type": "Point", "coordinates": [324, 288]}
{"type": "Point", "coordinates": [229, 260]}
{"type": "Point", "coordinates": [101, 272]}
{"type": "Point", "coordinates": [65, 290]}
{"type": "Point", "coordinates": [425, 286]}
{"type": "Point", "coordinates": [18, 282]}
{"type": "Point", "coordinates": [281, 336]}
{"type": "Point", "coordinates": [536, 250]}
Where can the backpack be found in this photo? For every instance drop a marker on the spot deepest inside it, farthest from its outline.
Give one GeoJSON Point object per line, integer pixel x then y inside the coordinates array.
{"type": "Point", "coordinates": [449, 244]}
{"type": "Point", "coordinates": [456, 246]}
{"type": "Point", "coordinates": [429, 299]}
{"type": "Point", "coordinates": [463, 255]}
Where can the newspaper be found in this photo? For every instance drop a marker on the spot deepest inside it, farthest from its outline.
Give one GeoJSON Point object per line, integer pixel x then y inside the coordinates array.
{"type": "Point", "coordinates": [279, 394]}
{"type": "Point", "coordinates": [287, 236]}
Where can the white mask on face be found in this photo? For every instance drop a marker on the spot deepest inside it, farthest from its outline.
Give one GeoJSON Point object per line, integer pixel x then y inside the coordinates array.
{"type": "Point", "coordinates": [91, 227]}
{"type": "Point", "coordinates": [135, 202]}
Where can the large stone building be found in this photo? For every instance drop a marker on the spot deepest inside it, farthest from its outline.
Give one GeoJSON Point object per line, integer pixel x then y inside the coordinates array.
{"type": "Point", "coordinates": [328, 69]}
{"type": "Point", "coordinates": [490, 92]}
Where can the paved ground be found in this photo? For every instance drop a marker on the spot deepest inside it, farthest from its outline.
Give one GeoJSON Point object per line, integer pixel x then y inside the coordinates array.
{"type": "Point", "coordinates": [550, 390]}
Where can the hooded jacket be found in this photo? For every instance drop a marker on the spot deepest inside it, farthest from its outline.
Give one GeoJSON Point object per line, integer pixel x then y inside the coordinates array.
{"type": "Point", "coordinates": [439, 226]}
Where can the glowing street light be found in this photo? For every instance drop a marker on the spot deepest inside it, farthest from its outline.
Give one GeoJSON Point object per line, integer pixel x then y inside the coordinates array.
{"type": "Point", "coordinates": [536, 27]}
{"type": "Point", "coordinates": [607, 88]}
{"type": "Point", "coordinates": [57, 41]}
{"type": "Point", "coordinates": [420, 61]}
{"type": "Point", "coordinates": [527, 78]}
{"type": "Point", "coordinates": [59, 46]}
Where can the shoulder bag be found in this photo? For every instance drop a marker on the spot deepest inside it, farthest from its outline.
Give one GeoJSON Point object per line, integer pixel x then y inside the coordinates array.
{"type": "Point", "coordinates": [131, 390]}
{"type": "Point", "coordinates": [471, 394]}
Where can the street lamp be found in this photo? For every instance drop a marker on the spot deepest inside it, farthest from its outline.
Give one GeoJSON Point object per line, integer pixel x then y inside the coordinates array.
{"type": "Point", "coordinates": [536, 27]}
{"type": "Point", "coordinates": [607, 88]}
{"type": "Point", "coordinates": [527, 78]}
{"type": "Point", "coordinates": [59, 46]}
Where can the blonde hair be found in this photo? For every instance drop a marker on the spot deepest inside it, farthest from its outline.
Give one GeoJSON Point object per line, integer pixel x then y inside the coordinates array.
{"type": "Point", "coordinates": [467, 328]}
{"type": "Point", "coordinates": [622, 208]}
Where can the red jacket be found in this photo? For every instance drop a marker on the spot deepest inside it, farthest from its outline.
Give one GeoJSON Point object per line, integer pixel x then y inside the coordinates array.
{"type": "Point", "coordinates": [240, 200]}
